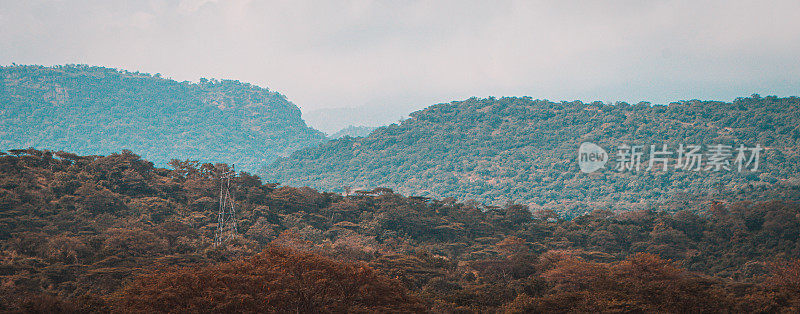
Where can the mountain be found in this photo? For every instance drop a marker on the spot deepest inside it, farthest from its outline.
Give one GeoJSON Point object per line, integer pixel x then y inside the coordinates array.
{"type": "Point", "coordinates": [95, 110]}
{"type": "Point", "coordinates": [116, 234]}
{"type": "Point", "coordinates": [353, 131]}
{"type": "Point", "coordinates": [497, 150]}
{"type": "Point", "coordinates": [331, 120]}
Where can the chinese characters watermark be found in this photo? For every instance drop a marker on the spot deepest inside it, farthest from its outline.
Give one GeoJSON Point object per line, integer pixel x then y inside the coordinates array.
{"type": "Point", "coordinates": [718, 157]}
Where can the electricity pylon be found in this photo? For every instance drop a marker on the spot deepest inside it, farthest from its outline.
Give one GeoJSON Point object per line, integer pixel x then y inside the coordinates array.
{"type": "Point", "coordinates": [226, 218]}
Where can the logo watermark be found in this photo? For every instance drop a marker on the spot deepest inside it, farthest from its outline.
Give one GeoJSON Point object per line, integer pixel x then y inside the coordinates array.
{"type": "Point", "coordinates": [591, 157]}
{"type": "Point", "coordinates": [718, 157]}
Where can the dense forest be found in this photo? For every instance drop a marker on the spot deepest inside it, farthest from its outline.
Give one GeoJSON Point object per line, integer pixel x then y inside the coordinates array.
{"type": "Point", "coordinates": [95, 110]}
{"type": "Point", "coordinates": [116, 234]}
{"type": "Point", "coordinates": [496, 150]}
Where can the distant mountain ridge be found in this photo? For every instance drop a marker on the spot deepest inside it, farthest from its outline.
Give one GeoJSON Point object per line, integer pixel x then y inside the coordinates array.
{"type": "Point", "coordinates": [496, 150]}
{"type": "Point", "coordinates": [353, 131]}
{"type": "Point", "coordinates": [331, 120]}
{"type": "Point", "coordinates": [96, 110]}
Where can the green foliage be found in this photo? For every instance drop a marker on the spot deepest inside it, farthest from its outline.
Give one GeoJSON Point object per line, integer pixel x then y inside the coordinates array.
{"type": "Point", "coordinates": [496, 150]}
{"type": "Point", "coordinates": [94, 110]}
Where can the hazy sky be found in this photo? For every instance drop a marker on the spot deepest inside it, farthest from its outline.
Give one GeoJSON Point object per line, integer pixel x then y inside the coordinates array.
{"type": "Point", "coordinates": [411, 54]}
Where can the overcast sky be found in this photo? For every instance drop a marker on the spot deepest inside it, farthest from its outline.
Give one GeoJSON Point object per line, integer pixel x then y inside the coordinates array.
{"type": "Point", "coordinates": [411, 54]}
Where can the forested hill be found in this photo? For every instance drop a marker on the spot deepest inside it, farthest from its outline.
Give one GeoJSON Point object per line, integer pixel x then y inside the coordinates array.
{"type": "Point", "coordinates": [95, 110]}
{"type": "Point", "coordinates": [525, 150]}
{"type": "Point", "coordinates": [114, 234]}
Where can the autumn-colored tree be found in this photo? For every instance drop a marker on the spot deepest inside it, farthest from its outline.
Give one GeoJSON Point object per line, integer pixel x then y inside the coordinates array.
{"type": "Point", "coordinates": [276, 280]}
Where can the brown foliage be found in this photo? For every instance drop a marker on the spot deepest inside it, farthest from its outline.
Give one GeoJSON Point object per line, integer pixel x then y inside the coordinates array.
{"type": "Point", "coordinates": [641, 283]}
{"type": "Point", "coordinates": [74, 229]}
{"type": "Point", "coordinates": [276, 280]}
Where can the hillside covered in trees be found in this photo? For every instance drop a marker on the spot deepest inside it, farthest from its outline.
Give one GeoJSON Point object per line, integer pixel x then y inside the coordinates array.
{"type": "Point", "coordinates": [115, 233]}
{"type": "Point", "coordinates": [496, 150]}
{"type": "Point", "coordinates": [94, 110]}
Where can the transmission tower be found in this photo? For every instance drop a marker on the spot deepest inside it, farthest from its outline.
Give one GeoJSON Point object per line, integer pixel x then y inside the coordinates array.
{"type": "Point", "coordinates": [226, 218]}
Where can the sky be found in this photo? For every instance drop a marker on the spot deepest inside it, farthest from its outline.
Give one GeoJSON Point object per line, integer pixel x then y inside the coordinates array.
{"type": "Point", "coordinates": [399, 56]}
